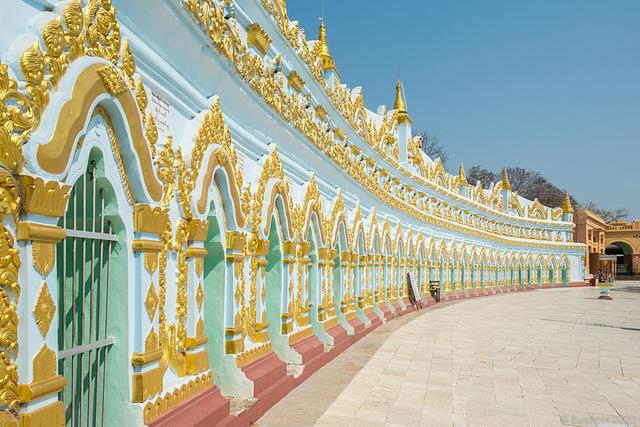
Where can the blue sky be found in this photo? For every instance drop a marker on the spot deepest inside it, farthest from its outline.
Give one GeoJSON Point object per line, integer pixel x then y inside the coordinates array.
{"type": "Point", "coordinates": [546, 85]}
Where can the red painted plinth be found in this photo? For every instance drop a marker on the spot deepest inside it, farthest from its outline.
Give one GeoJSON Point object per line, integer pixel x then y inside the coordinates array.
{"type": "Point", "coordinates": [206, 408]}
{"type": "Point", "coordinates": [397, 308]}
{"type": "Point", "coordinates": [313, 356]}
{"type": "Point", "coordinates": [270, 384]}
{"type": "Point", "coordinates": [375, 321]}
{"type": "Point", "coordinates": [429, 299]}
{"type": "Point", "coordinates": [578, 284]}
{"type": "Point", "coordinates": [605, 297]}
{"type": "Point", "coordinates": [386, 312]}
{"type": "Point", "coordinates": [265, 372]}
{"type": "Point", "coordinates": [340, 337]}
{"type": "Point", "coordinates": [402, 311]}
{"type": "Point", "coordinates": [309, 348]}
{"type": "Point", "coordinates": [358, 327]}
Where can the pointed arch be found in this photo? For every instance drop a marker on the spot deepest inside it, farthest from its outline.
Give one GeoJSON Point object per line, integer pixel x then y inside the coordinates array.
{"type": "Point", "coordinates": [51, 150]}
{"type": "Point", "coordinates": [278, 201]}
{"type": "Point", "coordinates": [219, 172]}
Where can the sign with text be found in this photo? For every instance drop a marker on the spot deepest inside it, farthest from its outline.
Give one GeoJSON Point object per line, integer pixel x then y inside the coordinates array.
{"type": "Point", "coordinates": [160, 111]}
{"type": "Point", "coordinates": [414, 287]}
{"type": "Point", "coordinates": [241, 160]}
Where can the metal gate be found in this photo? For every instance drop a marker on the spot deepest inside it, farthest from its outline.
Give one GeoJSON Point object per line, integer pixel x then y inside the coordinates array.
{"type": "Point", "coordinates": [84, 263]}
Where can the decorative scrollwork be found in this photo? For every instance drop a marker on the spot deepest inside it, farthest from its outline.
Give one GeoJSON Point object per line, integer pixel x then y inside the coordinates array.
{"type": "Point", "coordinates": [9, 266]}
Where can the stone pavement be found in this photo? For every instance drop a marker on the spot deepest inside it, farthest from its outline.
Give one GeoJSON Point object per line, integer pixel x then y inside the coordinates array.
{"type": "Point", "coordinates": [537, 358]}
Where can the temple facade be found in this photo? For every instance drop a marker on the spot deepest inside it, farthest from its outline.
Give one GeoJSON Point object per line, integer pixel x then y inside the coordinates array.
{"type": "Point", "coordinates": [194, 206]}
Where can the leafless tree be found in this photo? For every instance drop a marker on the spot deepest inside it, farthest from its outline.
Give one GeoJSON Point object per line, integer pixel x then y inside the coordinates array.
{"type": "Point", "coordinates": [608, 216]}
{"type": "Point", "coordinates": [529, 184]}
{"type": "Point", "coordinates": [431, 146]}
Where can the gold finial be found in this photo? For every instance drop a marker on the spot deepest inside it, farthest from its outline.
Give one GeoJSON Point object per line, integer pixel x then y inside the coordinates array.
{"type": "Point", "coordinates": [399, 104]}
{"type": "Point", "coordinates": [505, 180]}
{"type": "Point", "coordinates": [566, 204]}
{"type": "Point", "coordinates": [461, 178]}
{"type": "Point", "coordinates": [327, 61]}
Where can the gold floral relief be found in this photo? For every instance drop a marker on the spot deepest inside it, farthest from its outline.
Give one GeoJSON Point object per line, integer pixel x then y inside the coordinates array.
{"type": "Point", "coordinates": [112, 80]}
{"type": "Point", "coordinates": [151, 342]}
{"type": "Point", "coordinates": [199, 296]}
{"type": "Point", "coordinates": [151, 261]}
{"type": "Point", "coordinates": [44, 364]}
{"type": "Point", "coordinates": [44, 256]}
{"type": "Point", "coordinates": [9, 266]}
{"type": "Point", "coordinates": [44, 309]}
{"type": "Point", "coordinates": [199, 266]}
{"type": "Point", "coordinates": [151, 301]}
{"type": "Point", "coordinates": [44, 198]}
{"type": "Point", "coordinates": [43, 71]}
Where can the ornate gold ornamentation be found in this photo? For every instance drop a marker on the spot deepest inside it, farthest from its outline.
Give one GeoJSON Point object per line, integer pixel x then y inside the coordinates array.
{"type": "Point", "coordinates": [146, 384]}
{"type": "Point", "coordinates": [300, 334]}
{"type": "Point", "coordinates": [165, 166]}
{"type": "Point", "coordinates": [112, 80]}
{"type": "Point", "coordinates": [9, 266]}
{"type": "Point", "coordinates": [295, 81]}
{"type": "Point", "coordinates": [47, 199]}
{"type": "Point", "coordinates": [44, 310]}
{"type": "Point", "coordinates": [199, 295]}
{"type": "Point", "coordinates": [102, 39]}
{"type": "Point", "coordinates": [151, 301]}
{"type": "Point", "coordinates": [151, 342]}
{"type": "Point", "coordinates": [141, 95]}
{"type": "Point", "coordinates": [151, 132]}
{"type": "Point", "coordinates": [172, 398]}
{"type": "Point", "coordinates": [51, 414]}
{"type": "Point", "coordinates": [566, 204]}
{"type": "Point", "coordinates": [151, 261]}
{"type": "Point", "coordinates": [252, 354]}
{"type": "Point", "coordinates": [44, 256]}
{"type": "Point", "coordinates": [258, 37]}
{"type": "Point", "coordinates": [44, 364]}
{"type": "Point", "coordinates": [198, 229]}
{"type": "Point", "coordinates": [128, 62]}
{"type": "Point", "coordinates": [179, 246]}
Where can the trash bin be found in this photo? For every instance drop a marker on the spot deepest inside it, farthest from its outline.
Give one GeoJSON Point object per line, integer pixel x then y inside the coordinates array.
{"type": "Point", "coordinates": [434, 288]}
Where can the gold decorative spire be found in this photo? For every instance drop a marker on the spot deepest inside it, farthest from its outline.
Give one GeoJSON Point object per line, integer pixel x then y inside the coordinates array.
{"type": "Point", "coordinates": [566, 204]}
{"type": "Point", "coordinates": [327, 61]}
{"type": "Point", "coordinates": [461, 178]}
{"type": "Point", "coordinates": [505, 180]}
{"type": "Point", "coordinates": [398, 105]}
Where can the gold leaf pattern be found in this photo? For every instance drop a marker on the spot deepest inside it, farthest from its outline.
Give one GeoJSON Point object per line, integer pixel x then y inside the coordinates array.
{"type": "Point", "coordinates": [199, 296]}
{"type": "Point", "coordinates": [44, 256]}
{"type": "Point", "coordinates": [44, 310]}
{"type": "Point", "coordinates": [151, 302]}
{"type": "Point", "coordinates": [151, 261]}
{"type": "Point", "coordinates": [151, 342]}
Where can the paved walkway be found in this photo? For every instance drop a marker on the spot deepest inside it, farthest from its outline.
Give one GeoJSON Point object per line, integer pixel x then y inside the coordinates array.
{"type": "Point", "coordinates": [538, 358]}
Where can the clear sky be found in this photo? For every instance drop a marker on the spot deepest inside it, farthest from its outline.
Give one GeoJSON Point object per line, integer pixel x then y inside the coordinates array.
{"type": "Point", "coordinates": [548, 85]}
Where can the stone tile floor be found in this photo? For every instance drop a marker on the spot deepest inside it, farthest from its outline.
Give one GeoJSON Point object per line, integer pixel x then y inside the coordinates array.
{"type": "Point", "coordinates": [540, 358]}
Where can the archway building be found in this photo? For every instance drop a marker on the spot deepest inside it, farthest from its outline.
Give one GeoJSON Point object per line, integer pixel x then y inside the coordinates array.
{"type": "Point", "coordinates": [192, 200]}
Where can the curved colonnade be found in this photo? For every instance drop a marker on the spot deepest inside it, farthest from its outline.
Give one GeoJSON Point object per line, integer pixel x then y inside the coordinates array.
{"type": "Point", "coordinates": [181, 220]}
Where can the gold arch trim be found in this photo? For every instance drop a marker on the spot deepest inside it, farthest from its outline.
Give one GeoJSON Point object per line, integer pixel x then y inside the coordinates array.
{"type": "Point", "coordinates": [54, 156]}
{"type": "Point", "coordinates": [278, 189]}
{"type": "Point", "coordinates": [219, 158]}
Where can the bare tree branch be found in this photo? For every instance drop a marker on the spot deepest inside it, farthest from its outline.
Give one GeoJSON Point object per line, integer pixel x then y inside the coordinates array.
{"type": "Point", "coordinates": [608, 216]}
{"type": "Point", "coordinates": [431, 146]}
